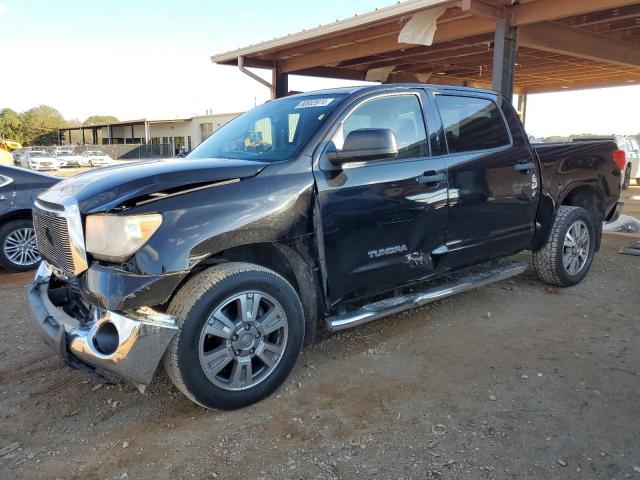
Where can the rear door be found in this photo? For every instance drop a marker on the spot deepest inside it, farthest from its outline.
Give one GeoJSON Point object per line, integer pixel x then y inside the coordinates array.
{"type": "Point", "coordinates": [493, 179]}
{"type": "Point", "coordinates": [7, 188]}
{"type": "Point", "coordinates": [381, 219]}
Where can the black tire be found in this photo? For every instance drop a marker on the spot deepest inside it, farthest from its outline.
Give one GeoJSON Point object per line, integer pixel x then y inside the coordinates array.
{"type": "Point", "coordinates": [192, 306]}
{"type": "Point", "coordinates": [5, 231]}
{"type": "Point", "coordinates": [627, 178]}
{"type": "Point", "coordinates": [549, 261]}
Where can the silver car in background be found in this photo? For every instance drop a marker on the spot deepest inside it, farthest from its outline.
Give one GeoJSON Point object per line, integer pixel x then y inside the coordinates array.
{"type": "Point", "coordinates": [96, 158]}
{"type": "Point", "coordinates": [38, 160]}
{"type": "Point", "coordinates": [67, 158]}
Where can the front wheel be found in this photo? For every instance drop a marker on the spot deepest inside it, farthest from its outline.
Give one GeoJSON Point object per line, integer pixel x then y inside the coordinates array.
{"type": "Point", "coordinates": [241, 331]}
{"type": "Point", "coordinates": [566, 257]}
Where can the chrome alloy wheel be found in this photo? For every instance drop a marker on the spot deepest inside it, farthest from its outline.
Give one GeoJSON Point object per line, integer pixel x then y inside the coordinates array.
{"type": "Point", "coordinates": [243, 340]}
{"type": "Point", "coordinates": [575, 253]}
{"type": "Point", "coordinates": [20, 247]}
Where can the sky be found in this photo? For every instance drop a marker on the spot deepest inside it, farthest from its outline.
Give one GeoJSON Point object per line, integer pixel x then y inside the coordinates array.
{"type": "Point", "coordinates": [150, 59]}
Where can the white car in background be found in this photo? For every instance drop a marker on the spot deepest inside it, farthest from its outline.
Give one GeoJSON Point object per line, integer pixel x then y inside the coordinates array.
{"type": "Point", "coordinates": [38, 160]}
{"type": "Point", "coordinates": [630, 147]}
{"type": "Point", "coordinates": [96, 158]}
{"type": "Point", "coordinates": [635, 160]}
{"type": "Point", "coordinates": [66, 157]}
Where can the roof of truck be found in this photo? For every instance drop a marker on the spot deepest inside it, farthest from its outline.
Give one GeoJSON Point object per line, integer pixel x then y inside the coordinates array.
{"type": "Point", "coordinates": [387, 86]}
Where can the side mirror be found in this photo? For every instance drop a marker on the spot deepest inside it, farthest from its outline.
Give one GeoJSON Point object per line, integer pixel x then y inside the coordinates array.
{"type": "Point", "coordinates": [365, 144]}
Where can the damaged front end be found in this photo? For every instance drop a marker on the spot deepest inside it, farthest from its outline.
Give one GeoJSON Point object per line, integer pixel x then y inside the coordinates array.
{"type": "Point", "coordinates": [129, 344]}
{"type": "Point", "coordinates": [116, 245]}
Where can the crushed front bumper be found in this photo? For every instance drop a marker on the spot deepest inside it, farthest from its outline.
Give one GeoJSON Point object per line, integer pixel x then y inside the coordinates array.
{"type": "Point", "coordinates": [129, 344]}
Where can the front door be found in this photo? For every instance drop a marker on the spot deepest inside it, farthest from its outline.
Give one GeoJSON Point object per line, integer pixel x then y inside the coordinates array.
{"type": "Point", "coordinates": [381, 219]}
{"type": "Point", "coordinates": [493, 181]}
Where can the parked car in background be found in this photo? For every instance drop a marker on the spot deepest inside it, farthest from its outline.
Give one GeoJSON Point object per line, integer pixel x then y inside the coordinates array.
{"type": "Point", "coordinates": [38, 160]}
{"type": "Point", "coordinates": [96, 158]}
{"type": "Point", "coordinates": [630, 147]}
{"type": "Point", "coordinates": [375, 200]}
{"type": "Point", "coordinates": [635, 164]}
{"type": "Point", "coordinates": [67, 158]}
{"type": "Point", "coordinates": [17, 154]}
{"type": "Point", "coordinates": [18, 188]}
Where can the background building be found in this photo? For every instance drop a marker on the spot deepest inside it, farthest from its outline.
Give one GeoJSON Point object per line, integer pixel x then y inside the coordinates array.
{"type": "Point", "coordinates": [146, 138]}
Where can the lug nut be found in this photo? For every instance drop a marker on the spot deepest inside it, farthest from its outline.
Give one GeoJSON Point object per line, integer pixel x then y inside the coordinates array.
{"type": "Point", "coordinates": [257, 335]}
{"type": "Point", "coordinates": [247, 327]}
{"type": "Point", "coordinates": [253, 350]}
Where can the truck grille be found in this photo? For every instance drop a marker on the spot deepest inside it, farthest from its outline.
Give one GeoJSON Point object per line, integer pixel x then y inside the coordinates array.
{"type": "Point", "coordinates": [52, 237]}
{"type": "Point", "coordinates": [59, 236]}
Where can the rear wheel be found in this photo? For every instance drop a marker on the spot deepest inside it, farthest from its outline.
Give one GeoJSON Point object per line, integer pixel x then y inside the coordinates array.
{"type": "Point", "coordinates": [242, 328]}
{"type": "Point", "coordinates": [566, 258]}
{"type": "Point", "coordinates": [18, 250]}
{"type": "Point", "coordinates": [627, 178]}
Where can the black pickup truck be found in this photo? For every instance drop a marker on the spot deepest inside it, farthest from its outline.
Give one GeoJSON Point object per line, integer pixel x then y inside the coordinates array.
{"type": "Point", "coordinates": [321, 210]}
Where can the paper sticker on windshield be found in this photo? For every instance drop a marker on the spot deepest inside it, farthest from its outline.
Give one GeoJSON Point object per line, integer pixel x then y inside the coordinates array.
{"type": "Point", "coordinates": [315, 102]}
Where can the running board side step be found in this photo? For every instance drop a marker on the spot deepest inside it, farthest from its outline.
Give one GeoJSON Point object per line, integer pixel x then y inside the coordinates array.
{"type": "Point", "coordinates": [383, 308]}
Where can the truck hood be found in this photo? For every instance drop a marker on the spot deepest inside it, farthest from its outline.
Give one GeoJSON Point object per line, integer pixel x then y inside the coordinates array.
{"type": "Point", "coordinates": [107, 188]}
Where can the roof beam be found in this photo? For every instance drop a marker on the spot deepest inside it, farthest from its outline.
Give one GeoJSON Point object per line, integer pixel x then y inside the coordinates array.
{"type": "Point", "coordinates": [552, 37]}
{"type": "Point", "coordinates": [340, 40]}
{"type": "Point", "coordinates": [548, 10]}
{"type": "Point", "coordinates": [332, 72]}
{"type": "Point", "coordinates": [448, 31]}
{"type": "Point", "coordinates": [481, 9]}
{"type": "Point", "coordinates": [392, 58]}
{"type": "Point", "coordinates": [603, 16]}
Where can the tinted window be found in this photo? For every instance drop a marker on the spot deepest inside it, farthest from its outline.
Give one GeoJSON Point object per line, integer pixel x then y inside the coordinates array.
{"type": "Point", "coordinates": [471, 123]}
{"type": "Point", "coordinates": [402, 114]}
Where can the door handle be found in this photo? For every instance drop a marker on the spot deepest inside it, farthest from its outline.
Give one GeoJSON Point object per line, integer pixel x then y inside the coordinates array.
{"type": "Point", "coordinates": [524, 167]}
{"type": "Point", "coordinates": [431, 177]}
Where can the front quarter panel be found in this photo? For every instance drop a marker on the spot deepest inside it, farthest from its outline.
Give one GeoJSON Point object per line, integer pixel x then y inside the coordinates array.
{"type": "Point", "coordinates": [274, 205]}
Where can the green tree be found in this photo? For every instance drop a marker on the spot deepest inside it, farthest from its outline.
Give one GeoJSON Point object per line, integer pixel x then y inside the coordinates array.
{"type": "Point", "coordinates": [41, 124]}
{"type": "Point", "coordinates": [10, 125]}
{"type": "Point", "coordinates": [99, 120]}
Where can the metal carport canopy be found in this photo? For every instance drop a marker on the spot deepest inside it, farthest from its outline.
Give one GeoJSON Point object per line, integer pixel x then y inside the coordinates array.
{"type": "Point", "coordinates": [542, 45]}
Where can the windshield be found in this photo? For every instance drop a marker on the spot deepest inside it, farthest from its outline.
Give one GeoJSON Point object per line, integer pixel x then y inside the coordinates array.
{"type": "Point", "coordinates": [94, 154]}
{"type": "Point", "coordinates": [37, 154]}
{"type": "Point", "coordinates": [270, 132]}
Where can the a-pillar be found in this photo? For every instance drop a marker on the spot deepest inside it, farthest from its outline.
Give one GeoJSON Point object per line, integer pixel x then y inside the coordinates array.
{"type": "Point", "coordinates": [505, 48]}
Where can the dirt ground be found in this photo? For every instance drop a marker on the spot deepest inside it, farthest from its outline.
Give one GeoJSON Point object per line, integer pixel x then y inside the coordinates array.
{"type": "Point", "coordinates": [513, 380]}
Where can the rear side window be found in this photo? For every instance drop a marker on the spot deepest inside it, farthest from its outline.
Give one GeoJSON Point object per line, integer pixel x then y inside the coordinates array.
{"type": "Point", "coordinates": [471, 123]}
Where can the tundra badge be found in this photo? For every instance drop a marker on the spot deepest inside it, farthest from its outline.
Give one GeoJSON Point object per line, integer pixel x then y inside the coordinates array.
{"type": "Point", "coordinates": [387, 251]}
